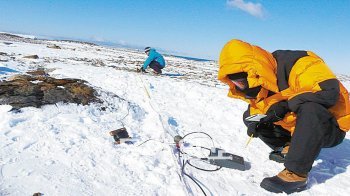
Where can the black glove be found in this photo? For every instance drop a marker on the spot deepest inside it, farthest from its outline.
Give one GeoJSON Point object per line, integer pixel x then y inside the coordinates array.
{"type": "Point", "coordinates": [257, 128]}
{"type": "Point", "coordinates": [276, 112]}
{"type": "Point", "coordinates": [141, 70]}
{"type": "Point", "coordinates": [251, 126]}
{"type": "Point", "coordinates": [252, 129]}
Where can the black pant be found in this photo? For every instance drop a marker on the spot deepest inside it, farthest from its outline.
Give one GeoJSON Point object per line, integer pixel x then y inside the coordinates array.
{"type": "Point", "coordinates": [316, 128]}
{"type": "Point", "coordinates": [275, 137]}
{"type": "Point", "coordinates": [156, 67]}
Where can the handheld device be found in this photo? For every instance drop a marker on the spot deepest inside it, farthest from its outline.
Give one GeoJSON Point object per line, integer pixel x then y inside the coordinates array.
{"type": "Point", "coordinates": [255, 117]}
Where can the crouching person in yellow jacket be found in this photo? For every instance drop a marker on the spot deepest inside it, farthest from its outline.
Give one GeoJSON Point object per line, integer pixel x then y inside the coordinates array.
{"type": "Point", "coordinates": [306, 107]}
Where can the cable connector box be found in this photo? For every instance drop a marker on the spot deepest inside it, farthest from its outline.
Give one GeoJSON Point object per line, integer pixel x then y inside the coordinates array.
{"type": "Point", "coordinates": [221, 158]}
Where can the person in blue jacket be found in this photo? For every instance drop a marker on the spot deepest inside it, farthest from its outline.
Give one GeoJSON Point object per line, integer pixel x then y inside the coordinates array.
{"type": "Point", "coordinates": [154, 61]}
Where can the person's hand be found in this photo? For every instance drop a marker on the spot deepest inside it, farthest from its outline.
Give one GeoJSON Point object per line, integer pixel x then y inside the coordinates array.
{"type": "Point", "coordinates": [252, 129]}
{"type": "Point", "coordinates": [276, 112]}
{"type": "Point", "coordinates": [141, 70]}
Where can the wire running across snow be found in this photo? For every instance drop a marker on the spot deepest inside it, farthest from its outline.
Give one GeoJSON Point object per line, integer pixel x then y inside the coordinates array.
{"type": "Point", "coordinates": [181, 154]}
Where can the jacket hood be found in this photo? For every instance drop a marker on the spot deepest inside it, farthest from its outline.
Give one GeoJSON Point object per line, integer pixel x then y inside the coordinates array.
{"type": "Point", "coordinates": [238, 56]}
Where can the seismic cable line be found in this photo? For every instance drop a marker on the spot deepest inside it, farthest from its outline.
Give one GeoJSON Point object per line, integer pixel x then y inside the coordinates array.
{"type": "Point", "coordinates": [183, 161]}
{"type": "Point", "coordinates": [178, 162]}
{"type": "Point", "coordinates": [217, 157]}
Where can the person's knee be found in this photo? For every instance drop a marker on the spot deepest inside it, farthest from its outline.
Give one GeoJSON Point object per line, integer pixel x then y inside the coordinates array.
{"type": "Point", "coordinates": [313, 116]}
{"type": "Point", "coordinates": [311, 107]}
{"type": "Point", "coordinates": [152, 64]}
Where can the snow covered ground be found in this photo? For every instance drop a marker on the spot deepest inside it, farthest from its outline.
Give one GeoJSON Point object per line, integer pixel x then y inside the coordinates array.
{"type": "Point", "coordinates": [65, 149]}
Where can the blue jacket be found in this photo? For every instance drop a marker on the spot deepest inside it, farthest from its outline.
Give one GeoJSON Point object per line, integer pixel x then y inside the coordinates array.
{"type": "Point", "coordinates": [154, 56]}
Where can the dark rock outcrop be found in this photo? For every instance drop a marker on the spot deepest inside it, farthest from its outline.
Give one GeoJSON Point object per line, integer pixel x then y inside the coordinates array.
{"type": "Point", "coordinates": [9, 38]}
{"type": "Point", "coordinates": [54, 46]}
{"type": "Point", "coordinates": [37, 89]}
{"type": "Point", "coordinates": [31, 57]}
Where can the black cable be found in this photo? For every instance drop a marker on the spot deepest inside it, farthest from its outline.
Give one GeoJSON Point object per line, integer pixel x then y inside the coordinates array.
{"type": "Point", "coordinates": [203, 147]}
{"type": "Point", "coordinates": [144, 142]}
{"type": "Point", "coordinates": [199, 158]}
{"type": "Point", "coordinates": [196, 132]}
{"type": "Point", "coordinates": [152, 140]}
{"type": "Point", "coordinates": [192, 156]}
{"type": "Point", "coordinates": [201, 133]}
{"type": "Point", "coordinates": [184, 163]}
{"type": "Point", "coordinates": [207, 170]}
{"type": "Point", "coordinates": [190, 177]}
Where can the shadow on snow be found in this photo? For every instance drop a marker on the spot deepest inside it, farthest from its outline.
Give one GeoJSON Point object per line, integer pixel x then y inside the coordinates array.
{"type": "Point", "coordinates": [331, 162]}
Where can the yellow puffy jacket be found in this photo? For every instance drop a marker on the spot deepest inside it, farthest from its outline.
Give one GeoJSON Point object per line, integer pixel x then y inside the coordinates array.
{"type": "Point", "coordinates": [289, 74]}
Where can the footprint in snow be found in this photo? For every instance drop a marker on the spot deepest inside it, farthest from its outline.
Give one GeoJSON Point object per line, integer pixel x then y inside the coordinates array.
{"type": "Point", "coordinates": [172, 122]}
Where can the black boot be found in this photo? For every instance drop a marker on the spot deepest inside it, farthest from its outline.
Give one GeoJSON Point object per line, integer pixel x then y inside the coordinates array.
{"type": "Point", "coordinates": [286, 181]}
{"type": "Point", "coordinates": [280, 154]}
